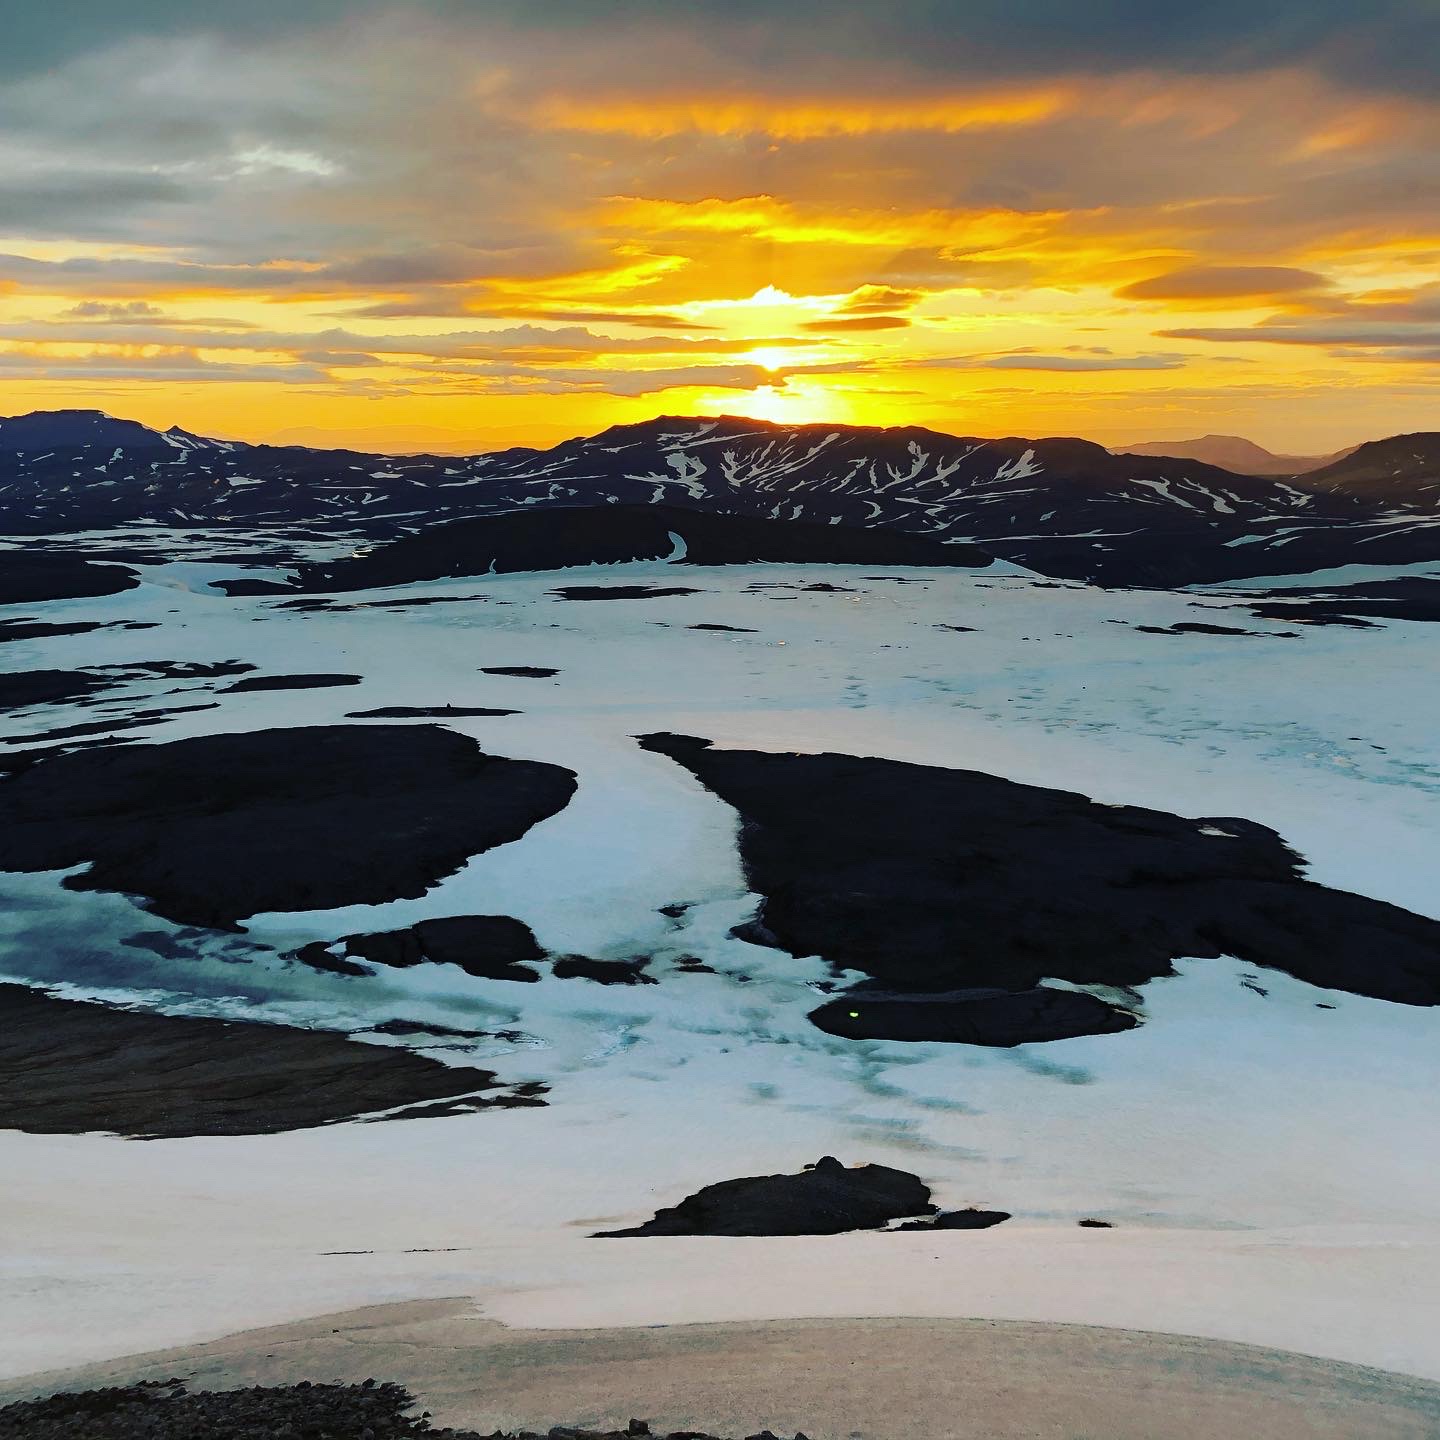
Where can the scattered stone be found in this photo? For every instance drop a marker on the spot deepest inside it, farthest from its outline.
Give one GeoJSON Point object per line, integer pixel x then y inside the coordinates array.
{"type": "Point", "coordinates": [527, 672]}
{"type": "Point", "coordinates": [1095, 1224]}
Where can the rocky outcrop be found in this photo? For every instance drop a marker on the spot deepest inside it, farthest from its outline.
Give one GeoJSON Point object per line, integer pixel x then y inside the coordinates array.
{"type": "Point", "coordinates": [214, 828]}
{"type": "Point", "coordinates": [936, 881]}
{"type": "Point", "coordinates": [827, 1198]}
{"type": "Point", "coordinates": [67, 1067]}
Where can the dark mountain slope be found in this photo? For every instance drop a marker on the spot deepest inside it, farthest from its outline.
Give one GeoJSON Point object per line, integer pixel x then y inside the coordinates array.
{"type": "Point", "coordinates": [1062, 506]}
{"type": "Point", "coordinates": [613, 534]}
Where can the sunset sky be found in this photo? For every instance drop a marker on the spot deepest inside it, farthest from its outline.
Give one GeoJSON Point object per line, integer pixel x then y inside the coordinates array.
{"type": "Point", "coordinates": [467, 225]}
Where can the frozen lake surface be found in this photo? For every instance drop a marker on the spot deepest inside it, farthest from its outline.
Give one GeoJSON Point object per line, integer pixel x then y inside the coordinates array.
{"type": "Point", "coordinates": [1269, 1162]}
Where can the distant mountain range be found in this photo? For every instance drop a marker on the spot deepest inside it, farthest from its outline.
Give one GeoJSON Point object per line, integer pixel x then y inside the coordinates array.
{"type": "Point", "coordinates": [1234, 453]}
{"type": "Point", "coordinates": [1064, 507]}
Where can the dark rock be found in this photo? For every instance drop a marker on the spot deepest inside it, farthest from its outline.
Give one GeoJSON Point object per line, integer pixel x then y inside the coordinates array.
{"type": "Point", "coordinates": [492, 947]}
{"type": "Point", "coordinates": [970, 1017]}
{"type": "Point", "coordinates": [289, 682]}
{"type": "Point", "coordinates": [180, 669]}
{"type": "Point", "coordinates": [729, 629]}
{"type": "Point", "coordinates": [218, 827]}
{"type": "Point", "coordinates": [621, 592]}
{"type": "Point", "coordinates": [1405, 597]}
{"type": "Point", "coordinates": [939, 880]}
{"type": "Point", "coordinates": [1197, 627]}
{"type": "Point", "coordinates": [1095, 1224]}
{"type": "Point", "coordinates": [27, 629]}
{"type": "Point", "coordinates": [826, 1199]}
{"type": "Point", "coordinates": [67, 1067]}
{"type": "Point", "coordinates": [527, 672]}
{"type": "Point", "coordinates": [30, 576]}
{"type": "Point", "coordinates": [970, 1219]}
{"type": "Point", "coordinates": [428, 712]}
{"type": "Point", "coordinates": [48, 687]}
{"type": "Point", "coordinates": [318, 957]}
{"type": "Point", "coordinates": [133, 720]}
{"type": "Point", "coordinates": [606, 972]}
{"type": "Point", "coordinates": [404, 1028]}
{"type": "Point", "coordinates": [556, 537]}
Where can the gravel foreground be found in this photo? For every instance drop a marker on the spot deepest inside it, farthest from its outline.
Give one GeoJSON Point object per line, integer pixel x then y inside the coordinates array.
{"type": "Point", "coordinates": [166, 1410]}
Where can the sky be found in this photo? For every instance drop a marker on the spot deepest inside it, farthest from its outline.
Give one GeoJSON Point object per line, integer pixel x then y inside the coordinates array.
{"type": "Point", "coordinates": [466, 224]}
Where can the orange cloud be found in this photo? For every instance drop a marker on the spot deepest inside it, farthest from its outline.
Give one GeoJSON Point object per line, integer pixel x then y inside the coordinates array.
{"type": "Point", "coordinates": [1225, 282]}
{"type": "Point", "coordinates": [654, 117]}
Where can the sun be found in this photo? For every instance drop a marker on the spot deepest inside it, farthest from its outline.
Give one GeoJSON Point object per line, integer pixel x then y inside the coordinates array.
{"type": "Point", "coordinates": [768, 357]}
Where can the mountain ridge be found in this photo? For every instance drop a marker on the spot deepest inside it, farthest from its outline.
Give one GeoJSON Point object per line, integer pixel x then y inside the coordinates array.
{"type": "Point", "coordinates": [1234, 453]}
{"type": "Point", "coordinates": [1061, 505]}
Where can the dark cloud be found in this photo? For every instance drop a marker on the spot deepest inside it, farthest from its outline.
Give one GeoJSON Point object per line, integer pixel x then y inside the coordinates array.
{"type": "Point", "coordinates": [1358, 334]}
{"type": "Point", "coordinates": [1224, 282]}
{"type": "Point", "coordinates": [880, 299]}
{"type": "Point", "coordinates": [1386, 43]}
{"type": "Point", "coordinates": [857, 322]}
{"type": "Point", "coordinates": [1029, 360]}
{"type": "Point", "coordinates": [117, 311]}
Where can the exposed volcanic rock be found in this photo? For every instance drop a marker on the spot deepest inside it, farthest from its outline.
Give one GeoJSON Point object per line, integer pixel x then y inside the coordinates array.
{"type": "Point", "coordinates": [621, 592]}
{"type": "Point", "coordinates": [491, 947]}
{"type": "Point", "coordinates": [605, 972]}
{"type": "Point", "coordinates": [1293, 614]}
{"type": "Point", "coordinates": [217, 827]}
{"type": "Point", "coordinates": [1415, 597]}
{"type": "Point", "coordinates": [970, 1219]}
{"type": "Point", "coordinates": [970, 1017]}
{"type": "Point", "coordinates": [67, 1067]}
{"type": "Point", "coordinates": [289, 682]}
{"type": "Point", "coordinates": [180, 669]}
{"type": "Point", "coordinates": [48, 687]}
{"type": "Point", "coordinates": [28, 629]}
{"type": "Point", "coordinates": [828, 1198]}
{"type": "Point", "coordinates": [939, 880]}
{"type": "Point", "coordinates": [167, 1410]}
{"type": "Point", "coordinates": [494, 947]}
{"type": "Point", "coordinates": [428, 712]}
{"type": "Point", "coordinates": [27, 577]}
{"type": "Point", "coordinates": [1200, 627]}
{"type": "Point", "coordinates": [523, 672]}
{"type": "Point", "coordinates": [729, 629]}
{"type": "Point", "coordinates": [132, 720]}
{"type": "Point", "coordinates": [554, 538]}
{"type": "Point", "coordinates": [12, 762]}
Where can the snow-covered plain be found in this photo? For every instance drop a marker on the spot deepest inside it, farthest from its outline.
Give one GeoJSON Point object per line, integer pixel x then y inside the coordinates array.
{"type": "Point", "coordinates": [1272, 1167]}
